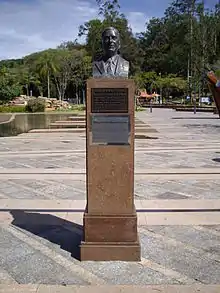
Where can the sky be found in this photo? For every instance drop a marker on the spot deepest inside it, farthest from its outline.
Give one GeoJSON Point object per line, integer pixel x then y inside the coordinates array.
{"type": "Point", "coordinates": [28, 26]}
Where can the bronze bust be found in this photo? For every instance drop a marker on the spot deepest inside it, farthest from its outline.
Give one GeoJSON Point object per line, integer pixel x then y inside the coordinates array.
{"type": "Point", "coordinates": [111, 64]}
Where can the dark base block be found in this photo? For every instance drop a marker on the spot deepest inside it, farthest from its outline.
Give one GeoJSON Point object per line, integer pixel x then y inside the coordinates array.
{"type": "Point", "coordinates": [110, 238]}
{"type": "Point", "coordinates": [110, 228]}
{"type": "Point", "coordinates": [115, 251]}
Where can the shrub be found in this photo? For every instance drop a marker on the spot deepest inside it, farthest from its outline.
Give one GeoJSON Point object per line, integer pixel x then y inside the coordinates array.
{"type": "Point", "coordinates": [12, 109]}
{"type": "Point", "coordinates": [139, 109]}
{"type": "Point", "coordinates": [72, 108]}
{"type": "Point", "coordinates": [79, 107]}
{"type": "Point", "coordinates": [35, 105]}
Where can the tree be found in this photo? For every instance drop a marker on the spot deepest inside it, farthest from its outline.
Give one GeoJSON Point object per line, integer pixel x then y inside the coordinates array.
{"type": "Point", "coordinates": [154, 45]}
{"type": "Point", "coordinates": [9, 87]}
{"type": "Point", "coordinates": [92, 30]}
{"type": "Point", "coordinates": [46, 67]}
{"type": "Point", "coordinates": [110, 10]}
{"type": "Point", "coordinates": [146, 80]}
{"type": "Point", "coordinates": [71, 45]}
{"type": "Point", "coordinates": [69, 67]}
{"type": "Point", "coordinates": [172, 84]}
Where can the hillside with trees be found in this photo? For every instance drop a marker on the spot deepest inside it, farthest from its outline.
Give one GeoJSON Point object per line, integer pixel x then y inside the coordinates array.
{"type": "Point", "coordinates": [169, 56]}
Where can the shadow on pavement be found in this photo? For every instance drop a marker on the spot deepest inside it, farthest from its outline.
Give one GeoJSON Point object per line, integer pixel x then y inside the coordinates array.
{"type": "Point", "coordinates": [217, 160]}
{"type": "Point", "coordinates": [59, 231]}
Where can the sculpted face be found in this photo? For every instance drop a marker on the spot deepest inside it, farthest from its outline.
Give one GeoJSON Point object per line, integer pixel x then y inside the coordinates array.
{"type": "Point", "coordinates": [110, 42]}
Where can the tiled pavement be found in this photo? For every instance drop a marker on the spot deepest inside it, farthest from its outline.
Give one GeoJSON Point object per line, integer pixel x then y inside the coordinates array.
{"type": "Point", "coordinates": [178, 248]}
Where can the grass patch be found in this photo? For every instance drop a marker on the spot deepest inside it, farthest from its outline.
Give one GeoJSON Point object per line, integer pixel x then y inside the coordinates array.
{"type": "Point", "coordinates": [139, 109]}
{"type": "Point", "coordinates": [12, 109]}
{"type": "Point", "coordinates": [74, 108]}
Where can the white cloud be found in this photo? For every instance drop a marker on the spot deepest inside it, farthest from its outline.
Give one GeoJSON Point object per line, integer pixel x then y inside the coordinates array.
{"type": "Point", "coordinates": [34, 25]}
{"type": "Point", "coordinates": [137, 20]}
{"type": "Point", "coordinates": [37, 25]}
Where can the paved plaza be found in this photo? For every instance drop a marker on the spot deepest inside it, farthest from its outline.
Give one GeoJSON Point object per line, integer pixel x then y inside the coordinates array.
{"type": "Point", "coordinates": [177, 196]}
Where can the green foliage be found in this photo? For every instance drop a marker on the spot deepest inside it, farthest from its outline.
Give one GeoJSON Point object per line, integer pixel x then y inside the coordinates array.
{"type": "Point", "coordinates": [140, 109]}
{"type": "Point", "coordinates": [12, 109]}
{"type": "Point", "coordinates": [180, 43]}
{"type": "Point", "coordinates": [146, 79]}
{"type": "Point", "coordinates": [35, 105]}
{"type": "Point", "coordinates": [9, 87]}
{"type": "Point", "coordinates": [79, 107]}
{"type": "Point", "coordinates": [74, 108]}
{"type": "Point", "coordinates": [8, 90]}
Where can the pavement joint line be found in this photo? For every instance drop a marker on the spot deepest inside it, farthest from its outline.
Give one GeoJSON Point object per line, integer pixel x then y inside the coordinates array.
{"type": "Point", "coordinates": [82, 177]}
{"type": "Point", "coordinates": [42, 288]}
{"type": "Point", "coordinates": [6, 278]}
{"type": "Point", "coordinates": [41, 152]}
{"type": "Point", "coordinates": [181, 278]}
{"type": "Point", "coordinates": [147, 205]}
{"type": "Point", "coordinates": [174, 141]}
{"type": "Point", "coordinates": [140, 211]}
{"type": "Point", "coordinates": [137, 150]}
{"type": "Point", "coordinates": [211, 231]}
{"type": "Point", "coordinates": [162, 150]}
{"type": "Point", "coordinates": [177, 243]}
{"type": "Point", "coordinates": [144, 219]}
{"type": "Point", "coordinates": [181, 219]}
{"type": "Point", "coordinates": [71, 266]}
{"type": "Point", "coordinates": [137, 171]}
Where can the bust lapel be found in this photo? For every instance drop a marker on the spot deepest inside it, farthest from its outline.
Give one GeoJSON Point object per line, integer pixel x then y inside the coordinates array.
{"type": "Point", "coordinates": [100, 67]}
{"type": "Point", "coordinates": [117, 67]}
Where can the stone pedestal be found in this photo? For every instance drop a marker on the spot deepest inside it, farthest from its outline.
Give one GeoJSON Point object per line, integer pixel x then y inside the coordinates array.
{"type": "Point", "coordinates": [110, 220]}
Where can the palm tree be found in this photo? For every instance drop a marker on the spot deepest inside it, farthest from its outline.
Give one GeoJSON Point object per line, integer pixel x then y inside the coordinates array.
{"type": "Point", "coordinates": [46, 67]}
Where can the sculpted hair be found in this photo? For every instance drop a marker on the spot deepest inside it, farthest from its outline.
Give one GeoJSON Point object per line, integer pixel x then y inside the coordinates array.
{"type": "Point", "coordinates": [110, 28]}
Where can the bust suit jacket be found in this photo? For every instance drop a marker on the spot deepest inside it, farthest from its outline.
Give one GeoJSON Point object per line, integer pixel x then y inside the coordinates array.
{"type": "Point", "coordinates": [121, 68]}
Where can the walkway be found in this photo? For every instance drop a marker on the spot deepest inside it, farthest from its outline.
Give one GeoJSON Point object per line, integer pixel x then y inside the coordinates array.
{"type": "Point", "coordinates": [177, 196]}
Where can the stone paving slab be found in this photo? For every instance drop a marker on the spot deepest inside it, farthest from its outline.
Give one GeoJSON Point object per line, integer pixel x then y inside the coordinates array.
{"type": "Point", "coordinates": [170, 255]}
{"type": "Point", "coordinates": [144, 159]}
{"type": "Point", "coordinates": [70, 152]}
{"type": "Point", "coordinates": [177, 247]}
{"type": "Point", "coordinates": [74, 187]}
{"type": "Point", "coordinates": [109, 289]}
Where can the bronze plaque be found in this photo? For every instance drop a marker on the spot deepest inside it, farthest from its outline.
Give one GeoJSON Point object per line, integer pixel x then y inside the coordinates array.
{"type": "Point", "coordinates": [110, 130]}
{"type": "Point", "coordinates": [109, 100]}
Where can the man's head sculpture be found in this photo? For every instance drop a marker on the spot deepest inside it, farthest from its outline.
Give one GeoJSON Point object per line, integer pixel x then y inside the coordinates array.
{"type": "Point", "coordinates": [111, 64]}
{"type": "Point", "coordinates": [110, 41]}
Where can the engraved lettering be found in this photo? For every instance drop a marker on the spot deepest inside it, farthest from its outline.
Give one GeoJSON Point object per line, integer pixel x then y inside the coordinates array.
{"type": "Point", "coordinates": [109, 100]}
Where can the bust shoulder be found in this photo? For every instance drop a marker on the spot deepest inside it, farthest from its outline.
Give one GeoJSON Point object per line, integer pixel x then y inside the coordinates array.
{"type": "Point", "coordinates": [123, 66]}
{"type": "Point", "coordinates": [122, 60]}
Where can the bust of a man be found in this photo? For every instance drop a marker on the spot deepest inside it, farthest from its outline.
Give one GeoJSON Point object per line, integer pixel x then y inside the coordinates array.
{"type": "Point", "coordinates": [111, 64]}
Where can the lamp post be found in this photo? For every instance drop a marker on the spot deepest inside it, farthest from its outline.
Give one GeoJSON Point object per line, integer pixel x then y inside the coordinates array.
{"type": "Point", "coordinates": [161, 98]}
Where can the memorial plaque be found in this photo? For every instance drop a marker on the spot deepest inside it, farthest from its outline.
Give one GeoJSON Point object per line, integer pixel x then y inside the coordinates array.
{"type": "Point", "coordinates": [110, 130]}
{"type": "Point", "coordinates": [109, 100]}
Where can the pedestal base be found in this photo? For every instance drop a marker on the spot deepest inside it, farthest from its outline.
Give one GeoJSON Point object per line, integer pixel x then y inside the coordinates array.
{"type": "Point", "coordinates": [110, 237]}
{"type": "Point", "coordinates": [115, 251]}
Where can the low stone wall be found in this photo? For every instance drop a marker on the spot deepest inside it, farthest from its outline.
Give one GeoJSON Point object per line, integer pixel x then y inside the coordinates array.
{"type": "Point", "coordinates": [18, 123]}
{"type": "Point", "coordinates": [165, 106]}
{"type": "Point", "coordinates": [178, 107]}
{"type": "Point", "coordinates": [199, 109]}
{"type": "Point", "coordinates": [4, 117]}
